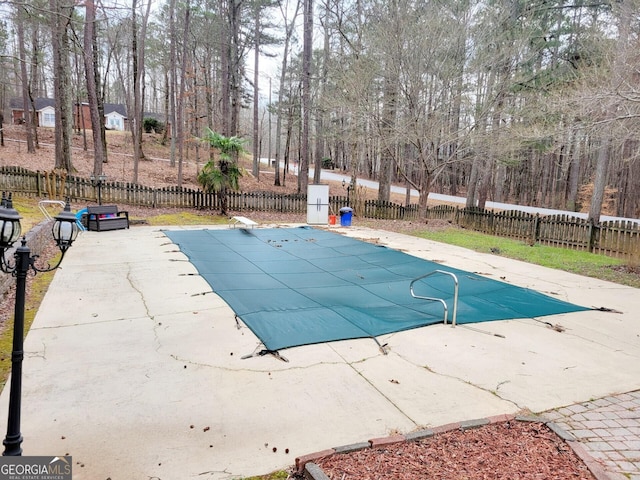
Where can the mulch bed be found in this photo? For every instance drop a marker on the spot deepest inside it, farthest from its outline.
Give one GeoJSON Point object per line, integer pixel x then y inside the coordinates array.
{"type": "Point", "coordinates": [511, 450]}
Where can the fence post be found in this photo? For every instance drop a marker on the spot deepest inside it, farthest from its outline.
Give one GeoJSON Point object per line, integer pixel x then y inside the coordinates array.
{"type": "Point", "coordinates": [536, 229]}
{"type": "Point", "coordinates": [38, 188]}
{"type": "Point", "coordinates": [593, 230]}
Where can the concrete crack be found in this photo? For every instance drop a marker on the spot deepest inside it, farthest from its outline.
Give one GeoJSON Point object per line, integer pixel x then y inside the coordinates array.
{"type": "Point", "coordinates": [144, 302]}
{"type": "Point", "coordinates": [386, 397]}
{"type": "Point", "coordinates": [156, 325]}
{"type": "Point", "coordinates": [467, 382]}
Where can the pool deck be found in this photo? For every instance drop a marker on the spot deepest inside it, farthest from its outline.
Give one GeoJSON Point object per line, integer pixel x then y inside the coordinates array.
{"type": "Point", "coordinates": [135, 370]}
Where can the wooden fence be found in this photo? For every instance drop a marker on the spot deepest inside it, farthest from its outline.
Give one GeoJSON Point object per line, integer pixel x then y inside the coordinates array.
{"type": "Point", "coordinates": [79, 189]}
{"type": "Point", "coordinates": [390, 210]}
{"type": "Point", "coordinates": [619, 238]}
{"type": "Point", "coordinates": [616, 238]}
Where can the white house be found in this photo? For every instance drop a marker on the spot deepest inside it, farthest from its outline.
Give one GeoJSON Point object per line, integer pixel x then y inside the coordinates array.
{"type": "Point", "coordinates": [47, 117]}
{"type": "Point", "coordinates": [114, 121]}
{"type": "Point", "coordinates": [115, 114]}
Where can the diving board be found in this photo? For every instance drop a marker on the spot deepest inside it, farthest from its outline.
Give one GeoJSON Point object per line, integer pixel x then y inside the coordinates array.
{"type": "Point", "coordinates": [243, 221]}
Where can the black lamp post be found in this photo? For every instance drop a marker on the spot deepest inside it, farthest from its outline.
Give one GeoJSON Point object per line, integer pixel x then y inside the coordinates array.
{"type": "Point", "coordinates": [97, 181]}
{"type": "Point", "coordinates": [350, 187]}
{"type": "Point", "coordinates": [65, 231]}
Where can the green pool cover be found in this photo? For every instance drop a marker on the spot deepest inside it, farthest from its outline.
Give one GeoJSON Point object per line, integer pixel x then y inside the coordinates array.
{"type": "Point", "coordinates": [299, 286]}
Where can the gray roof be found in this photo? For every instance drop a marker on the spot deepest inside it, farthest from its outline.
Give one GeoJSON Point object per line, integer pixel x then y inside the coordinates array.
{"type": "Point", "coordinates": [115, 107]}
{"type": "Point", "coordinates": [40, 103]}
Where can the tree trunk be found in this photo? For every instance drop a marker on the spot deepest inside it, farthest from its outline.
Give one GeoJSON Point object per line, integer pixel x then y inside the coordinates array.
{"type": "Point", "coordinates": [137, 54]}
{"type": "Point", "coordinates": [166, 108]}
{"type": "Point", "coordinates": [256, 93]}
{"type": "Point", "coordinates": [303, 173]}
{"type": "Point", "coordinates": [90, 67]}
{"type": "Point", "coordinates": [290, 26]}
{"type": "Point", "coordinates": [235, 66]}
{"type": "Point", "coordinates": [473, 183]}
{"type": "Point", "coordinates": [387, 157]}
{"type": "Point", "coordinates": [485, 184]}
{"type": "Point", "coordinates": [320, 112]}
{"type": "Point", "coordinates": [24, 83]}
{"type": "Point", "coordinates": [181, 98]}
{"type": "Point", "coordinates": [60, 18]}
{"type": "Point", "coordinates": [625, 14]}
{"type": "Point", "coordinates": [391, 61]}
{"type": "Point", "coordinates": [173, 77]}
{"type": "Point", "coordinates": [600, 181]}
{"type": "Point", "coordinates": [225, 76]}
{"type": "Point", "coordinates": [574, 175]}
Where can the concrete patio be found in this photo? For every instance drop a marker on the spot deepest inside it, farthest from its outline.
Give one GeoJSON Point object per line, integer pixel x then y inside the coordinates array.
{"type": "Point", "coordinates": [135, 370]}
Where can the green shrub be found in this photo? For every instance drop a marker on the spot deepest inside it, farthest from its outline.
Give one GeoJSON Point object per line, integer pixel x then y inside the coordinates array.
{"type": "Point", "coordinates": [152, 125]}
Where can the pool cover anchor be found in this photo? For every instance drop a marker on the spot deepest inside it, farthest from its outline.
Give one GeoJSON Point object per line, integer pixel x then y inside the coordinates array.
{"type": "Point", "coordinates": [262, 352]}
{"type": "Point", "coordinates": [383, 347]}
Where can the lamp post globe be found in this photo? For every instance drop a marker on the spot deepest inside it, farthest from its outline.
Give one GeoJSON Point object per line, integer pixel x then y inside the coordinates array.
{"type": "Point", "coordinates": [9, 223]}
{"type": "Point", "coordinates": [65, 229]}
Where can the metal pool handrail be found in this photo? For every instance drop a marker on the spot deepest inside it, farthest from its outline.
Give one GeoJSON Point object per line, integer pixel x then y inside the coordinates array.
{"type": "Point", "coordinates": [433, 299]}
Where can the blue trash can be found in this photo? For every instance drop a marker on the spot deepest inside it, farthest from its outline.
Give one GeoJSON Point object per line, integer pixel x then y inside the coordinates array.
{"type": "Point", "coordinates": [345, 216]}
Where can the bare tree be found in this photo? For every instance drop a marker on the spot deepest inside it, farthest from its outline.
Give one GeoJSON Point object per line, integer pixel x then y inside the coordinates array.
{"type": "Point", "coordinates": [180, 104]}
{"type": "Point", "coordinates": [303, 172]}
{"type": "Point", "coordinates": [137, 46]}
{"type": "Point", "coordinates": [322, 92]}
{"type": "Point", "coordinates": [173, 77]}
{"type": "Point", "coordinates": [256, 90]}
{"type": "Point", "coordinates": [61, 15]}
{"type": "Point", "coordinates": [625, 13]}
{"type": "Point", "coordinates": [261, 38]}
{"type": "Point", "coordinates": [233, 50]}
{"type": "Point", "coordinates": [92, 81]}
{"type": "Point", "coordinates": [29, 123]}
{"type": "Point", "coordinates": [289, 33]}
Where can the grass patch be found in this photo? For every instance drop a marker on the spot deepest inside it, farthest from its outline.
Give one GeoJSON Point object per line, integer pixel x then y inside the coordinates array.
{"type": "Point", "coordinates": [38, 286]}
{"type": "Point", "coordinates": [187, 218]}
{"type": "Point", "coordinates": [574, 261]}
{"type": "Point", "coordinates": [29, 211]}
{"type": "Point", "coordinates": [279, 475]}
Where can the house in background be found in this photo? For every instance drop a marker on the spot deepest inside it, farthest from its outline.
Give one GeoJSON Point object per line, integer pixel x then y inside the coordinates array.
{"type": "Point", "coordinates": [45, 111]}
{"type": "Point", "coordinates": [115, 114]}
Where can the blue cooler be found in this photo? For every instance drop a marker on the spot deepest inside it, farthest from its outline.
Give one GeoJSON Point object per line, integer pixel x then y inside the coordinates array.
{"type": "Point", "coordinates": [345, 216]}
